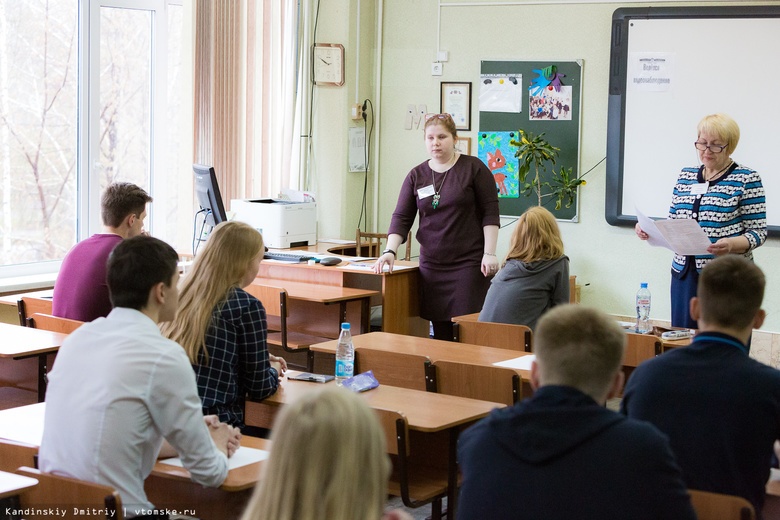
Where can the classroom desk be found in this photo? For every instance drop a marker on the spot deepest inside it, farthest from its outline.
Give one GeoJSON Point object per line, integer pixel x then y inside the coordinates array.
{"type": "Point", "coordinates": [436, 350]}
{"type": "Point", "coordinates": [436, 418]}
{"type": "Point", "coordinates": [306, 299]}
{"type": "Point", "coordinates": [12, 484]}
{"type": "Point", "coordinates": [167, 486]}
{"type": "Point", "coordinates": [24, 342]}
{"type": "Point", "coordinates": [398, 291]}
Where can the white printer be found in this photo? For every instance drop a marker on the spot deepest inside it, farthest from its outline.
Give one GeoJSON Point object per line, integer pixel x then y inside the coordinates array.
{"type": "Point", "coordinates": [282, 223]}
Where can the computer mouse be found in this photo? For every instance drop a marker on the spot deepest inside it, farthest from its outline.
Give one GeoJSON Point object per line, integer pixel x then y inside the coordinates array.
{"type": "Point", "coordinates": [330, 260]}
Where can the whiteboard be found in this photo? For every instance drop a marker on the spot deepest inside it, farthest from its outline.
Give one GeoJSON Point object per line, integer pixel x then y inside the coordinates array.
{"type": "Point", "coordinates": [716, 59]}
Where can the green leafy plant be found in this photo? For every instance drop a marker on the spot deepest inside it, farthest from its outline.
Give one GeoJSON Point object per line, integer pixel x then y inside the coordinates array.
{"type": "Point", "coordinates": [535, 153]}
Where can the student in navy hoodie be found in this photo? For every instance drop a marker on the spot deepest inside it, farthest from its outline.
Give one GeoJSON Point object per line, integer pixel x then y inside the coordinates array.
{"type": "Point", "coordinates": [561, 454]}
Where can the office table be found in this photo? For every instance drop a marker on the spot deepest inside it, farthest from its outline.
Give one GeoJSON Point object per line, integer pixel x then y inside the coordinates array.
{"type": "Point", "coordinates": [437, 419]}
{"type": "Point", "coordinates": [24, 342]}
{"type": "Point", "coordinates": [398, 291]}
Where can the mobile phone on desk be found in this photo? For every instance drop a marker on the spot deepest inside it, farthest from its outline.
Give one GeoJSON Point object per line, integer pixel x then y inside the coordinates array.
{"type": "Point", "coordinates": [313, 378]}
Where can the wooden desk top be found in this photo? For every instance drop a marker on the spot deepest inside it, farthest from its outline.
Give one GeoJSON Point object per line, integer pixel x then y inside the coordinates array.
{"type": "Point", "coordinates": [436, 350]}
{"type": "Point", "coordinates": [316, 292]}
{"type": "Point", "coordinates": [425, 411]}
{"type": "Point", "coordinates": [12, 484]}
{"type": "Point", "coordinates": [11, 299]}
{"type": "Point", "coordinates": [21, 341]}
{"type": "Point", "coordinates": [238, 479]}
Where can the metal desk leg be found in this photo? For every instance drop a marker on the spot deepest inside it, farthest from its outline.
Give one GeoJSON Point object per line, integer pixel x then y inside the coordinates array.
{"type": "Point", "coordinates": [42, 378]}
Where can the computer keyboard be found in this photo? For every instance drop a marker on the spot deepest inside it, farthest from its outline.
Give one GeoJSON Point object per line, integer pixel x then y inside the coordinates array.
{"type": "Point", "coordinates": [287, 257]}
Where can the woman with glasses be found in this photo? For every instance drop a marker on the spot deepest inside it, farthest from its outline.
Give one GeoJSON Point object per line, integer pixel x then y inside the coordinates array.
{"type": "Point", "coordinates": [726, 198]}
{"type": "Point", "coordinates": [457, 200]}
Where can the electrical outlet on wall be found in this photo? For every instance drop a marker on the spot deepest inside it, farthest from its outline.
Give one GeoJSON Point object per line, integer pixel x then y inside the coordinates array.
{"type": "Point", "coordinates": [437, 69]}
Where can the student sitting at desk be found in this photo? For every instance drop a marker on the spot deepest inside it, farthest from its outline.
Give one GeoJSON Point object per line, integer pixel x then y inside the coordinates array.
{"type": "Point", "coordinates": [719, 407]}
{"type": "Point", "coordinates": [80, 292]}
{"type": "Point", "coordinates": [329, 461]}
{"type": "Point", "coordinates": [119, 388]}
{"type": "Point", "coordinates": [561, 454]}
{"type": "Point", "coordinates": [535, 274]}
{"type": "Point", "coordinates": [223, 328]}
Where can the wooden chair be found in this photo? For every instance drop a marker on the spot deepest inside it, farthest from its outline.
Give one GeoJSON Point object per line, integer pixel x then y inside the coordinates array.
{"type": "Point", "coordinates": [487, 383]}
{"type": "Point", "coordinates": [715, 506]}
{"type": "Point", "coordinates": [392, 368]}
{"type": "Point", "coordinates": [639, 348]}
{"type": "Point", "coordinates": [498, 335]}
{"type": "Point", "coordinates": [373, 241]}
{"type": "Point", "coordinates": [274, 300]}
{"type": "Point", "coordinates": [27, 306]}
{"type": "Point", "coordinates": [416, 484]}
{"type": "Point", "coordinates": [15, 454]}
{"type": "Point", "coordinates": [573, 289]}
{"type": "Point", "coordinates": [69, 494]}
{"type": "Point", "coordinates": [48, 322]}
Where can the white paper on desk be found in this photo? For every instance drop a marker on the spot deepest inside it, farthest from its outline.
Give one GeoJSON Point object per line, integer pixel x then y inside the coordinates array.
{"type": "Point", "coordinates": [370, 267]}
{"type": "Point", "coordinates": [23, 424]}
{"type": "Point", "coordinates": [244, 456]}
{"type": "Point", "coordinates": [518, 363]}
{"type": "Point", "coordinates": [684, 236]}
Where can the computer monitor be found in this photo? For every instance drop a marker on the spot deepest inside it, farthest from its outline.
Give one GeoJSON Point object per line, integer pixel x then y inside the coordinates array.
{"type": "Point", "coordinates": [207, 191]}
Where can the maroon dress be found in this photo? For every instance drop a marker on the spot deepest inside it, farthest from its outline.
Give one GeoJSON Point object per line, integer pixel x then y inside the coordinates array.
{"type": "Point", "coordinates": [450, 236]}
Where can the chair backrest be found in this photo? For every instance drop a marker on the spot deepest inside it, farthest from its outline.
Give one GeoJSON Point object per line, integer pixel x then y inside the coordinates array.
{"type": "Point", "coordinates": [69, 494]}
{"type": "Point", "coordinates": [274, 300]}
{"type": "Point", "coordinates": [48, 322]}
{"type": "Point", "coordinates": [487, 383]}
{"type": "Point", "coordinates": [14, 455]}
{"type": "Point", "coordinates": [641, 347]}
{"type": "Point", "coordinates": [393, 368]}
{"type": "Point", "coordinates": [374, 243]}
{"type": "Point", "coordinates": [498, 335]}
{"type": "Point", "coordinates": [715, 506]}
{"type": "Point", "coordinates": [396, 429]}
{"type": "Point", "coordinates": [27, 306]}
{"type": "Point", "coordinates": [573, 289]}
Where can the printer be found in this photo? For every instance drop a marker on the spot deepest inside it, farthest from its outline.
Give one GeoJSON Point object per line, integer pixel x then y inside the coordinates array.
{"type": "Point", "coordinates": [282, 223]}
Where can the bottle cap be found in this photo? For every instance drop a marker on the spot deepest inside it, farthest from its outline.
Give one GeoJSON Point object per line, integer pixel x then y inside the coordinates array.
{"type": "Point", "coordinates": [345, 326]}
{"type": "Point", "coordinates": [643, 285]}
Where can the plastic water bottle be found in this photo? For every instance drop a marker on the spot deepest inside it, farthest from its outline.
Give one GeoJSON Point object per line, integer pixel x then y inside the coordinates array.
{"type": "Point", "coordinates": [345, 355]}
{"type": "Point", "coordinates": [643, 309]}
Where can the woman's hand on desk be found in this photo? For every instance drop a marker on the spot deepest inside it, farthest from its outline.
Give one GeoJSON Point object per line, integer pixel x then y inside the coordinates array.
{"type": "Point", "coordinates": [386, 259]}
{"type": "Point", "coordinates": [226, 437]}
{"type": "Point", "coordinates": [278, 363]}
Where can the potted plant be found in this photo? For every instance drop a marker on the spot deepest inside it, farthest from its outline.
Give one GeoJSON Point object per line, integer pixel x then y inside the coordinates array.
{"type": "Point", "coordinates": [534, 151]}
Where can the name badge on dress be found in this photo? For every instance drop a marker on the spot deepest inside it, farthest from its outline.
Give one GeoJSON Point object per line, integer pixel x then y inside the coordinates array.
{"type": "Point", "coordinates": [424, 193]}
{"type": "Point", "coordinates": [699, 188]}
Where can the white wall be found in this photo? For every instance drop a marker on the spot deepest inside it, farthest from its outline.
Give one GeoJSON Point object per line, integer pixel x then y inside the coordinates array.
{"type": "Point", "coordinates": [609, 261]}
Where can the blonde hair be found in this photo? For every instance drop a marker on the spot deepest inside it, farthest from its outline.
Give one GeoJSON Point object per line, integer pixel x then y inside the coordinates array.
{"type": "Point", "coordinates": [328, 461]}
{"type": "Point", "coordinates": [219, 268]}
{"type": "Point", "coordinates": [722, 126]}
{"type": "Point", "coordinates": [444, 120]}
{"type": "Point", "coordinates": [536, 237]}
{"type": "Point", "coordinates": [580, 347]}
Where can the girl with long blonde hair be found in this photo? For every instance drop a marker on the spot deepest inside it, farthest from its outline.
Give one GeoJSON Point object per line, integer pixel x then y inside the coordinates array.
{"type": "Point", "coordinates": [328, 460]}
{"type": "Point", "coordinates": [535, 273]}
{"type": "Point", "coordinates": [222, 327]}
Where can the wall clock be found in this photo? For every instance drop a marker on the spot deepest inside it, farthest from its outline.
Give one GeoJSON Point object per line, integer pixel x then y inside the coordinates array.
{"type": "Point", "coordinates": [328, 64]}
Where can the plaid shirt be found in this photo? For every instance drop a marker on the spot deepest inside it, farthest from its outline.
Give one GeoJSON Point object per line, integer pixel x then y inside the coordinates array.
{"type": "Point", "coordinates": [238, 359]}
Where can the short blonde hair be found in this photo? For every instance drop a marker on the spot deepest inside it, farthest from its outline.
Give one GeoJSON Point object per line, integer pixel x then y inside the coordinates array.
{"type": "Point", "coordinates": [218, 269]}
{"type": "Point", "coordinates": [536, 237]}
{"type": "Point", "coordinates": [724, 127]}
{"type": "Point", "coordinates": [328, 460]}
{"type": "Point", "coordinates": [580, 347]}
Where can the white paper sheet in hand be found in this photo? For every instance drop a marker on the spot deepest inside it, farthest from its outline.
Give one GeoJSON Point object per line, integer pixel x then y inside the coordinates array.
{"type": "Point", "coordinates": [684, 236]}
{"type": "Point", "coordinates": [518, 363]}
{"type": "Point", "coordinates": [242, 457]}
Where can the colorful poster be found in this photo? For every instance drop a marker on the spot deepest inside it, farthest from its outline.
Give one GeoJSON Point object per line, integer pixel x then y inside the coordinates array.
{"type": "Point", "coordinates": [499, 156]}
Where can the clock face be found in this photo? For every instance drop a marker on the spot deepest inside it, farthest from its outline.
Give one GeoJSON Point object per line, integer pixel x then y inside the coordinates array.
{"type": "Point", "coordinates": [329, 64]}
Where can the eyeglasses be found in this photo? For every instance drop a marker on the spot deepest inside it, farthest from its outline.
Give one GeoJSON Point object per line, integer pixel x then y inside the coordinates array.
{"type": "Point", "coordinates": [714, 148]}
{"type": "Point", "coordinates": [439, 116]}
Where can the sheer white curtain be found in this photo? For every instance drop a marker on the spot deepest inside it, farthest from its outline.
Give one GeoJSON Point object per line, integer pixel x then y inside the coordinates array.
{"type": "Point", "coordinates": [282, 85]}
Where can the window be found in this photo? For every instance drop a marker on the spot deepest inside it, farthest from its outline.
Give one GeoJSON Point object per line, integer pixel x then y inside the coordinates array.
{"type": "Point", "coordinates": [66, 133]}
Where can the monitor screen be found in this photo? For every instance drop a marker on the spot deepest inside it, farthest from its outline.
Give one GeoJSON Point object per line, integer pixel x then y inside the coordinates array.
{"type": "Point", "coordinates": [207, 191]}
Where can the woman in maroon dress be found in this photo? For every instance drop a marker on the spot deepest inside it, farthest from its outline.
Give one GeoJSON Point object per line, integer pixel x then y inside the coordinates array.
{"type": "Point", "coordinates": [456, 198]}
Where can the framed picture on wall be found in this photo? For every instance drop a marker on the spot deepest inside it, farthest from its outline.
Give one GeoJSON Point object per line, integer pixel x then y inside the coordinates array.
{"type": "Point", "coordinates": [463, 145]}
{"type": "Point", "coordinates": [456, 101]}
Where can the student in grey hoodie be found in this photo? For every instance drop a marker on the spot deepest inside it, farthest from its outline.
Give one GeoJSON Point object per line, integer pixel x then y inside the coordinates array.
{"type": "Point", "coordinates": [535, 274]}
{"type": "Point", "coordinates": [561, 454]}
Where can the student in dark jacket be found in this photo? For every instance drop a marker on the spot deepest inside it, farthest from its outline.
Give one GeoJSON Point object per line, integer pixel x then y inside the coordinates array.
{"type": "Point", "coordinates": [535, 274]}
{"type": "Point", "coordinates": [561, 454]}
